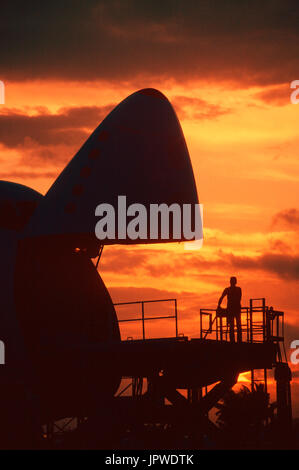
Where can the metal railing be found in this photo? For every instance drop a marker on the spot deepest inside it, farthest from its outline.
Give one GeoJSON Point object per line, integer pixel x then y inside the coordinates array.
{"type": "Point", "coordinates": [259, 323]}
{"type": "Point", "coordinates": [143, 318]}
{"type": "Point", "coordinates": [218, 326]}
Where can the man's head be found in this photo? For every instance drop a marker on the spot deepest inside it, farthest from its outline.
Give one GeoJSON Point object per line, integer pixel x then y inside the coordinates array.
{"type": "Point", "coordinates": [233, 281]}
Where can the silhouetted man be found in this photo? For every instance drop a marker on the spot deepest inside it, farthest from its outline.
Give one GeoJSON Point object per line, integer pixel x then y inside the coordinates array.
{"type": "Point", "coordinates": [234, 295]}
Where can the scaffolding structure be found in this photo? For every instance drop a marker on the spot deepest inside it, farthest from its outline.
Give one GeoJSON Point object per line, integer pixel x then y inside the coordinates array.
{"type": "Point", "coordinates": [173, 383]}
{"type": "Point", "coordinates": [259, 324]}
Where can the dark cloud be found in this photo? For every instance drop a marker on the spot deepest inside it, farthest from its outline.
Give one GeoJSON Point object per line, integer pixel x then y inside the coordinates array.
{"type": "Point", "coordinates": [68, 127]}
{"type": "Point", "coordinates": [11, 175]}
{"type": "Point", "coordinates": [160, 264]}
{"type": "Point", "coordinates": [248, 42]}
{"type": "Point", "coordinates": [132, 294]}
{"type": "Point", "coordinates": [287, 218]}
{"type": "Point", "coordinates": [123, 260]}
{"type": "Point", "coordinates": [285, 266]}
{"type": "Point", "coordinates": [71, 126]}
{"type": "Point", "coordinates": [292, 333]}
{"type": "Point", "coordinates": [190, 264]}
{"type": "Point", "coordinates": [277, 96]}
{"type": "Point", "coordinates": [196, 108]}
{"type": "Point", "coordinates": [280, 246]}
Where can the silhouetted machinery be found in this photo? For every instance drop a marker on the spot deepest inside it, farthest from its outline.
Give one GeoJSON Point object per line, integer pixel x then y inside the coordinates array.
{"type": "Point", "coordinates": [63, 352]}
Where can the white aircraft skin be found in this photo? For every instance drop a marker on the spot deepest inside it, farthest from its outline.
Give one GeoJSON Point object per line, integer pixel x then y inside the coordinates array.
{"type": "Point", "coordinates": [57, 318]}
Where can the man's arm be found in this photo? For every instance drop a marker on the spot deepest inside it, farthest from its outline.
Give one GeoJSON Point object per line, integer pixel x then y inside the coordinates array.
{"type": "Point", "coordinates": [224, 293]}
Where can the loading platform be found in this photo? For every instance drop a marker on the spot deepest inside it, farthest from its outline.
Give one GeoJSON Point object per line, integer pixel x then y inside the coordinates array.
{"type": "Point", "coordinates": [210, 356]}
{"type": "Point", "coordinates": [174, 382]}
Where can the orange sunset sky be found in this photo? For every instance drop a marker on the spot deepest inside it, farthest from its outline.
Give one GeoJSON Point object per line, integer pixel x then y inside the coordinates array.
{"type": "Point", "coordinates": [227, 72]}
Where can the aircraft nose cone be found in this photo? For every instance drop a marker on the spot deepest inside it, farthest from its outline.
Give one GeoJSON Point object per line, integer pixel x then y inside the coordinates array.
{"type": "Point", "coordinates": [138, 151]}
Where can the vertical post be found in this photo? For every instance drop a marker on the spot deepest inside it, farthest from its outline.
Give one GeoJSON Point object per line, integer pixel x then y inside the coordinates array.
{"type": "Point", "coordinates": [247, 325]}
{"type": "Point", "coordinates": [143, 326]}
{"type": "Point", "coordinates": [250, 321]}
{"type": "Point", "coordinates": [176, 318]}
{"type": "Point", "coordinates": [264, 319]}
{"type": "Point", "coordinates": [194, 395]}
{"type": "Point", "coordinates": [200, 323]}
{"type": "Point", "coordinates": [283, 377]}
{"type": "Point", "coordinates": [221, 335]}
{"type": "Point", "coordinates": [140, 386]}
{"type": "Point", "coordinates": [265, 380]}
{"type": "Point", "coordinates": [266, 391]}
